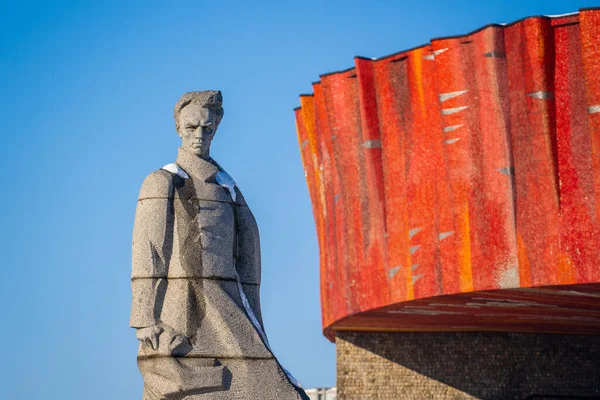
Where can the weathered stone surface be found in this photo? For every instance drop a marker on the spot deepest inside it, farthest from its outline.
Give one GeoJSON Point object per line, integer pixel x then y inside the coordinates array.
{"type": "Point", "coordinates": [196, 276]}
{"type": "Point", "coordinates": [224, 379]}
{"type": "Point", "coordinates": [213, 322]}
{"type": "Point", "coordinates": [210, 229]}
{"type": "Point", "coordinates": [466, 365]}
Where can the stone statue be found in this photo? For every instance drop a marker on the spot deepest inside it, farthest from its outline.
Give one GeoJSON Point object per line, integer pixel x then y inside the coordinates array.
{"type": "Point", "coordinates": [196, 276]}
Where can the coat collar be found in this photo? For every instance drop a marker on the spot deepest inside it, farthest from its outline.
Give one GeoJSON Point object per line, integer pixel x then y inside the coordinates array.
{"type": "Point", "coordinates": [207, 171]}
{"type": "Point", "coordinates": [199, 168]}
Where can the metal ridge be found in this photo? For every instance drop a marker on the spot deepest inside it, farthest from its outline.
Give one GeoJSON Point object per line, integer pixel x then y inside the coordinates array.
{"type": "Point", "coordinates": [439, 38]}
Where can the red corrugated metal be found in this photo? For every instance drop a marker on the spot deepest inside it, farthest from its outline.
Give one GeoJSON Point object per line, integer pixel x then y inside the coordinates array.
{"type": "Point", "coordinates": [467, 165]}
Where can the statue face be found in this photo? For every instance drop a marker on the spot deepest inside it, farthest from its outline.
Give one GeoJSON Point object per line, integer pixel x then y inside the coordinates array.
{"type": "Point", "coordinates": [197, 127]}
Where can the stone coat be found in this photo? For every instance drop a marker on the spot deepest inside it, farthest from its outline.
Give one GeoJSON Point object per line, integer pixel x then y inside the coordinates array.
{"type": "Point", "coordinates": [196, 271]}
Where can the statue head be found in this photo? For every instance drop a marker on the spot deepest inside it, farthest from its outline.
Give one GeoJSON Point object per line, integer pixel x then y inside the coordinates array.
{"type": "Point", "coordinates": [197, 116]}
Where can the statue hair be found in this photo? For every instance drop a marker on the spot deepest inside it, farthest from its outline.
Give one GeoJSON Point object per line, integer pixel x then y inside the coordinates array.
{"type": "Point", "coordinates": [212, 99]}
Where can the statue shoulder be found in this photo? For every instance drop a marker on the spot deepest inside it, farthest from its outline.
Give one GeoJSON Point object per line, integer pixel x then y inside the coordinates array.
{"type": "Point", "coordinates": [159, 183]}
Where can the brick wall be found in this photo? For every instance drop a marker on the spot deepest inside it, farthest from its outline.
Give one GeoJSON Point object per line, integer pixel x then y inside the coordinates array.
{"type": "Point", "coordinates": [468, 365]}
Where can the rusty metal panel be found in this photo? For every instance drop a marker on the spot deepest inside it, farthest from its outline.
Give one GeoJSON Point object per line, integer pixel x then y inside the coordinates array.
{"type": "Point", "coordinates": [466, 167]}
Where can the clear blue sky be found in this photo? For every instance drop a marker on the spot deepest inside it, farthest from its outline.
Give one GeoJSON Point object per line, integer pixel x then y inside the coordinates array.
{"type": "Point", "coordinates": [86, 97]}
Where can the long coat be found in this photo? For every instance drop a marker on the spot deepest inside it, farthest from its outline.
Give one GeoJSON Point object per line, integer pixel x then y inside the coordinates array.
{"type": "Point", "coordinates": [196, 272]}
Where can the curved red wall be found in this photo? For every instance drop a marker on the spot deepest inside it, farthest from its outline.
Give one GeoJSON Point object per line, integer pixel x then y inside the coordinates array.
{"type": "Point", "coordinates": [468, 165]}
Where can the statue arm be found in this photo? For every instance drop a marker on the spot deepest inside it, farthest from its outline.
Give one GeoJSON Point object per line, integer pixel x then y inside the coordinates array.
{"type": "Point", "coordinates": [252, 292]}
{"type": "Point", "coordinates": [151, 249]}
{"type": "Point", "coordinates": [248, 263]}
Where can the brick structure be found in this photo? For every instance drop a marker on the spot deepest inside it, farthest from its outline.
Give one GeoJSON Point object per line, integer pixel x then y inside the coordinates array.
{"type": "Point", "coordinates": [471, 365]}
{"type": "Point", "coordinates": [456, 189]}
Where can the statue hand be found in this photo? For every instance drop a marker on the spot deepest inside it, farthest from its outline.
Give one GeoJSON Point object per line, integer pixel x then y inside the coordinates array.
{"type": "Point", "coordinates": [179, 344]}
{"type": "Point", "coordinates": [149, 335]}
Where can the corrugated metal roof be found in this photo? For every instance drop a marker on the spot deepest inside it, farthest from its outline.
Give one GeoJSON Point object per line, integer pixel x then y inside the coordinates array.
{"type": "Point", "coordinates": [468, 164]}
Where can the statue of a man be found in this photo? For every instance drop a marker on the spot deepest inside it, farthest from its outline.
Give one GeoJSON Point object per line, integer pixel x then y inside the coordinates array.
{"type": "Point", "coordinates": [196, 276]}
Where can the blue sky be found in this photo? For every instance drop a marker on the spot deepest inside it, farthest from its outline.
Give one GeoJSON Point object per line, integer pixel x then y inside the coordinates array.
{"type": "Point", "coordinates": [86, 97]}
